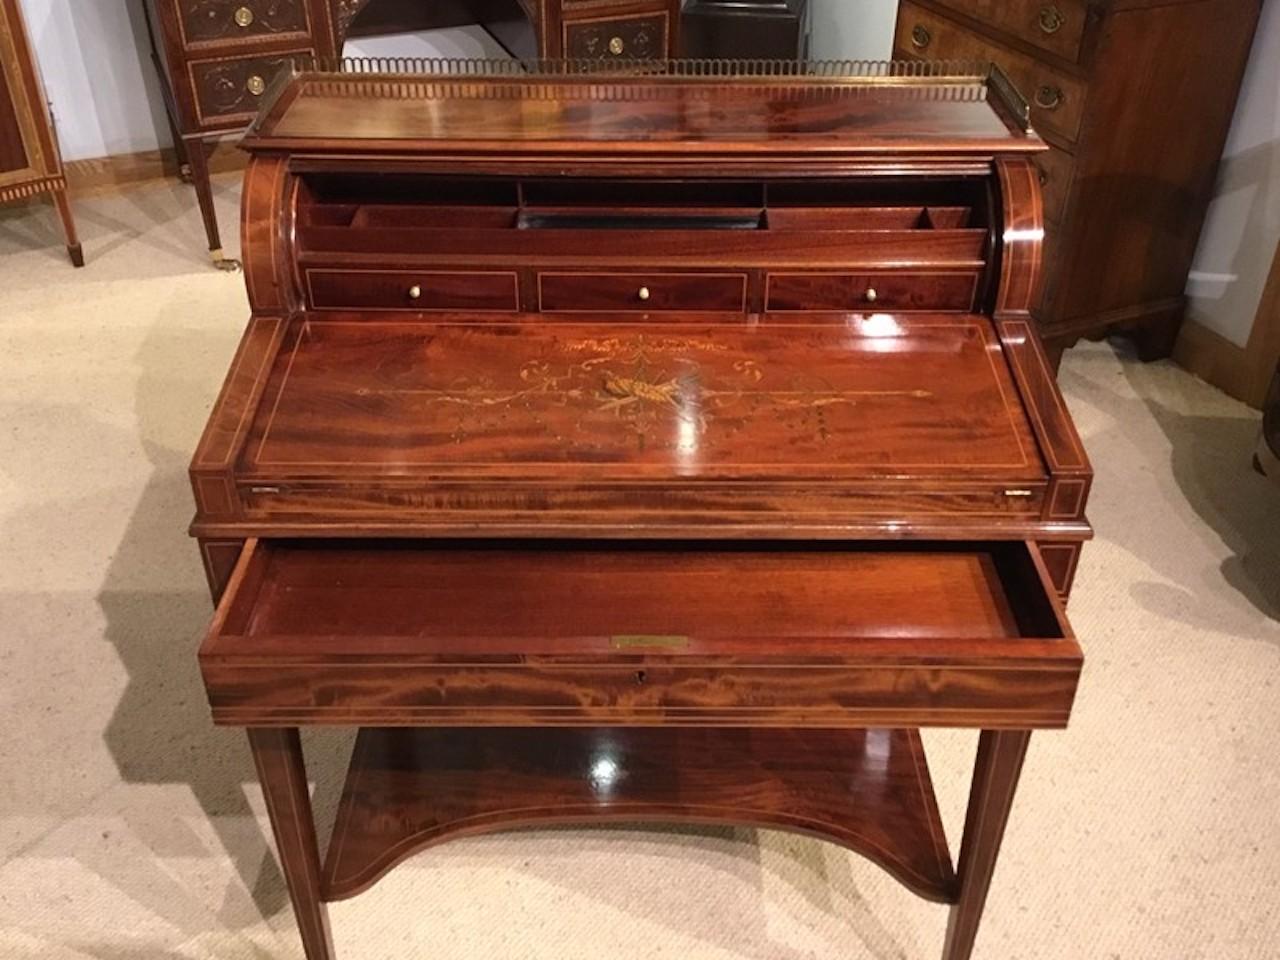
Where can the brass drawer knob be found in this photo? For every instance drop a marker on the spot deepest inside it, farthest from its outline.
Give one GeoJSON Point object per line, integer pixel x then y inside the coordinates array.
{"type": "Point", "coordinates": [1051, 19]}
{"type": "Point", "coordinates": [616, 46]}
{"type": "Point", "coordinates": [644, 293]}
{"type": "Point", "coordinates": [920, 37]}
{"type": "Point", "coordinates": [871, 296]}
{"type": "Point", "coordinates": [244, 17]}
{"type": "Point", "coordinates": [1049, 97]}
{"type": "Point", "coordinates": [415, 292]}
{"type": "Point", "coordinates": [256, 85]}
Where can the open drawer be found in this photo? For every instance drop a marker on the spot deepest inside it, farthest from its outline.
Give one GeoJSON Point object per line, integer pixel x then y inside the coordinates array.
{"type": "Point", "coordinates": [573, 633]}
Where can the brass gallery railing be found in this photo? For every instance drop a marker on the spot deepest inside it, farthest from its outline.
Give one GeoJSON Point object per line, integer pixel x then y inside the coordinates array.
{"type": "Point", "coordinates": [942, 79]}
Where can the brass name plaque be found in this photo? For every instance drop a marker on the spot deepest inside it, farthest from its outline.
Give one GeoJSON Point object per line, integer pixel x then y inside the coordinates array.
{"type": "Point", "coordinates": [622, 641]}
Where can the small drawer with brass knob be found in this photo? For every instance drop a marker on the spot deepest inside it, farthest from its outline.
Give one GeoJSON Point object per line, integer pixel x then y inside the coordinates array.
{"type": "Point", "coordinates": [210, 21]}
{"type": "Point", "coordinates": [863, 293]}
{"type": "Point", "coordinates": [438, 290]}
{"type": "Point", "coordinates": [641, 37]}
{"type": "Point", "coordinates": [234, 87]}
{"type": "Point", "coordinates": [609, 292]}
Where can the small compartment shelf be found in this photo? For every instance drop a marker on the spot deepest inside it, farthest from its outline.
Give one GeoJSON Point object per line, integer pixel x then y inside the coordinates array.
{"type": "Point", "coordinates": [868, 790]}
{"type": "Point", "coordinates": [587, 221]}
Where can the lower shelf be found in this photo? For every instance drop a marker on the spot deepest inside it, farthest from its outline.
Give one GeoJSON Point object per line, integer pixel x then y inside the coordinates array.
{"type": "Point", "coordinates": [410, 788]}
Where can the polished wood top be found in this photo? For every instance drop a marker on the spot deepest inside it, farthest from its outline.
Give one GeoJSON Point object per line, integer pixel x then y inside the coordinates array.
{"type": "Point", "coordinates": [952, 112]}
{"type": "Point", "coordinates": [601, 397]}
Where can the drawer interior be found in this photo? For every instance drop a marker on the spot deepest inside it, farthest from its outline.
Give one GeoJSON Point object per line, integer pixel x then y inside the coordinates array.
{"type": "Point", "coordinates": [527, 597]}
{"type": "Point", "coordinates": [493, 633]}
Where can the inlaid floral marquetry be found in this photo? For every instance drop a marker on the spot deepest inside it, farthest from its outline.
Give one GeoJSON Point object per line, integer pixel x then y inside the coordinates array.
{"type": "Point", "coordinates": [696, 399]}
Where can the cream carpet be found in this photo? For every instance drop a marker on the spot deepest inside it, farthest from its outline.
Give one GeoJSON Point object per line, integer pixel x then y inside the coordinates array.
{"type": "Point", "coordinates": [130, 827]}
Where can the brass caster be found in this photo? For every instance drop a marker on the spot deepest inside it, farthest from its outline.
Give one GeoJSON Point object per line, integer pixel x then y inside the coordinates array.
{"type": "Point", "coordinates": [184, 172]}
{"type": "Point", "coordinates": [225, 264]}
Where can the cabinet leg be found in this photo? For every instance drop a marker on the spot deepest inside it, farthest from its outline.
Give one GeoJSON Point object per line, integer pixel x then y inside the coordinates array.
{"type": "Point", "coordinates": [170, 108]}
{"type": "Point", "coordinates": [1053, 351]}
{"type": "Point", "coordinates": [995, 778]}
{"type": "Point", "coordinates": [1155, 340]}
{"type": "Point", "coordinates": [278, 756]}
{"type": "Point", "coordinates": [74, 251]}
{"type": "Point", "coordinates": [198, 157]}
{"type": "Point", "coordinates": [180, 152]}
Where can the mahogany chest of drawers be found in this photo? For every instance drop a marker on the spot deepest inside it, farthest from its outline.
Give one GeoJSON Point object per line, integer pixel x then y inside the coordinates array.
{"type": "Point", "coordinates": [1135, 100]}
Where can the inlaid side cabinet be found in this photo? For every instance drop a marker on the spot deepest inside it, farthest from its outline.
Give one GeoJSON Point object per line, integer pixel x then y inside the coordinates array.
{"type": "Point", "coordinates": [1135, 99]}
{"type": "Point", "coordinates": [30, 163]}
{"type": "Point", "coordinates": [216, 58]}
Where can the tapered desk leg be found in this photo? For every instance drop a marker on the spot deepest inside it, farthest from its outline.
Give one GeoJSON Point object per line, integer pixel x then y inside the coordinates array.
{"type": "Point", "coordinates": [278, 755]}
{"type": "Point", "coordinates": [198, 157]}
{"type": "Point", "coordinates": [74, 250]}
{"type": "Point", "coordinates": [995, 778]}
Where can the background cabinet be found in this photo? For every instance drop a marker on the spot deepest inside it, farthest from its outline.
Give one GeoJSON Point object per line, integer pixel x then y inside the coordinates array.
{"type": "Point", "coordinates": [754, 29]}
{"type": "Point", "coordinates": [217, 57]}
{"type": "Point", "coordinates": [29, 160]}
{"type": "Point", "coordinates": [1135, 99]}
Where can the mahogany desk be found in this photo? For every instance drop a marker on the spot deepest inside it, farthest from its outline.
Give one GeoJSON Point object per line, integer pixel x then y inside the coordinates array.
{"type": "Point", "coordinates": [613, 448]}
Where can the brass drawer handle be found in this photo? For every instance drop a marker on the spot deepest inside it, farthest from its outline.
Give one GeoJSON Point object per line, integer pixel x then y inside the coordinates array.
{"type": "Point", "coordinates": [920, 37]}
{"type": "Point", "coordinates": [1049, 97]}
{"type": "Point", "coordinates": [1051, 19]}
{"type": "Point", "coordinates": [871, 296]}
{"type": "Point", "coordinates": [256, 85]}
{"type": "Point", "coordinates": [644, 293]}
{"type": "Point", "coordinates": [616, 46]}
{"type": "Point", "coordinates": [244, 17]}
